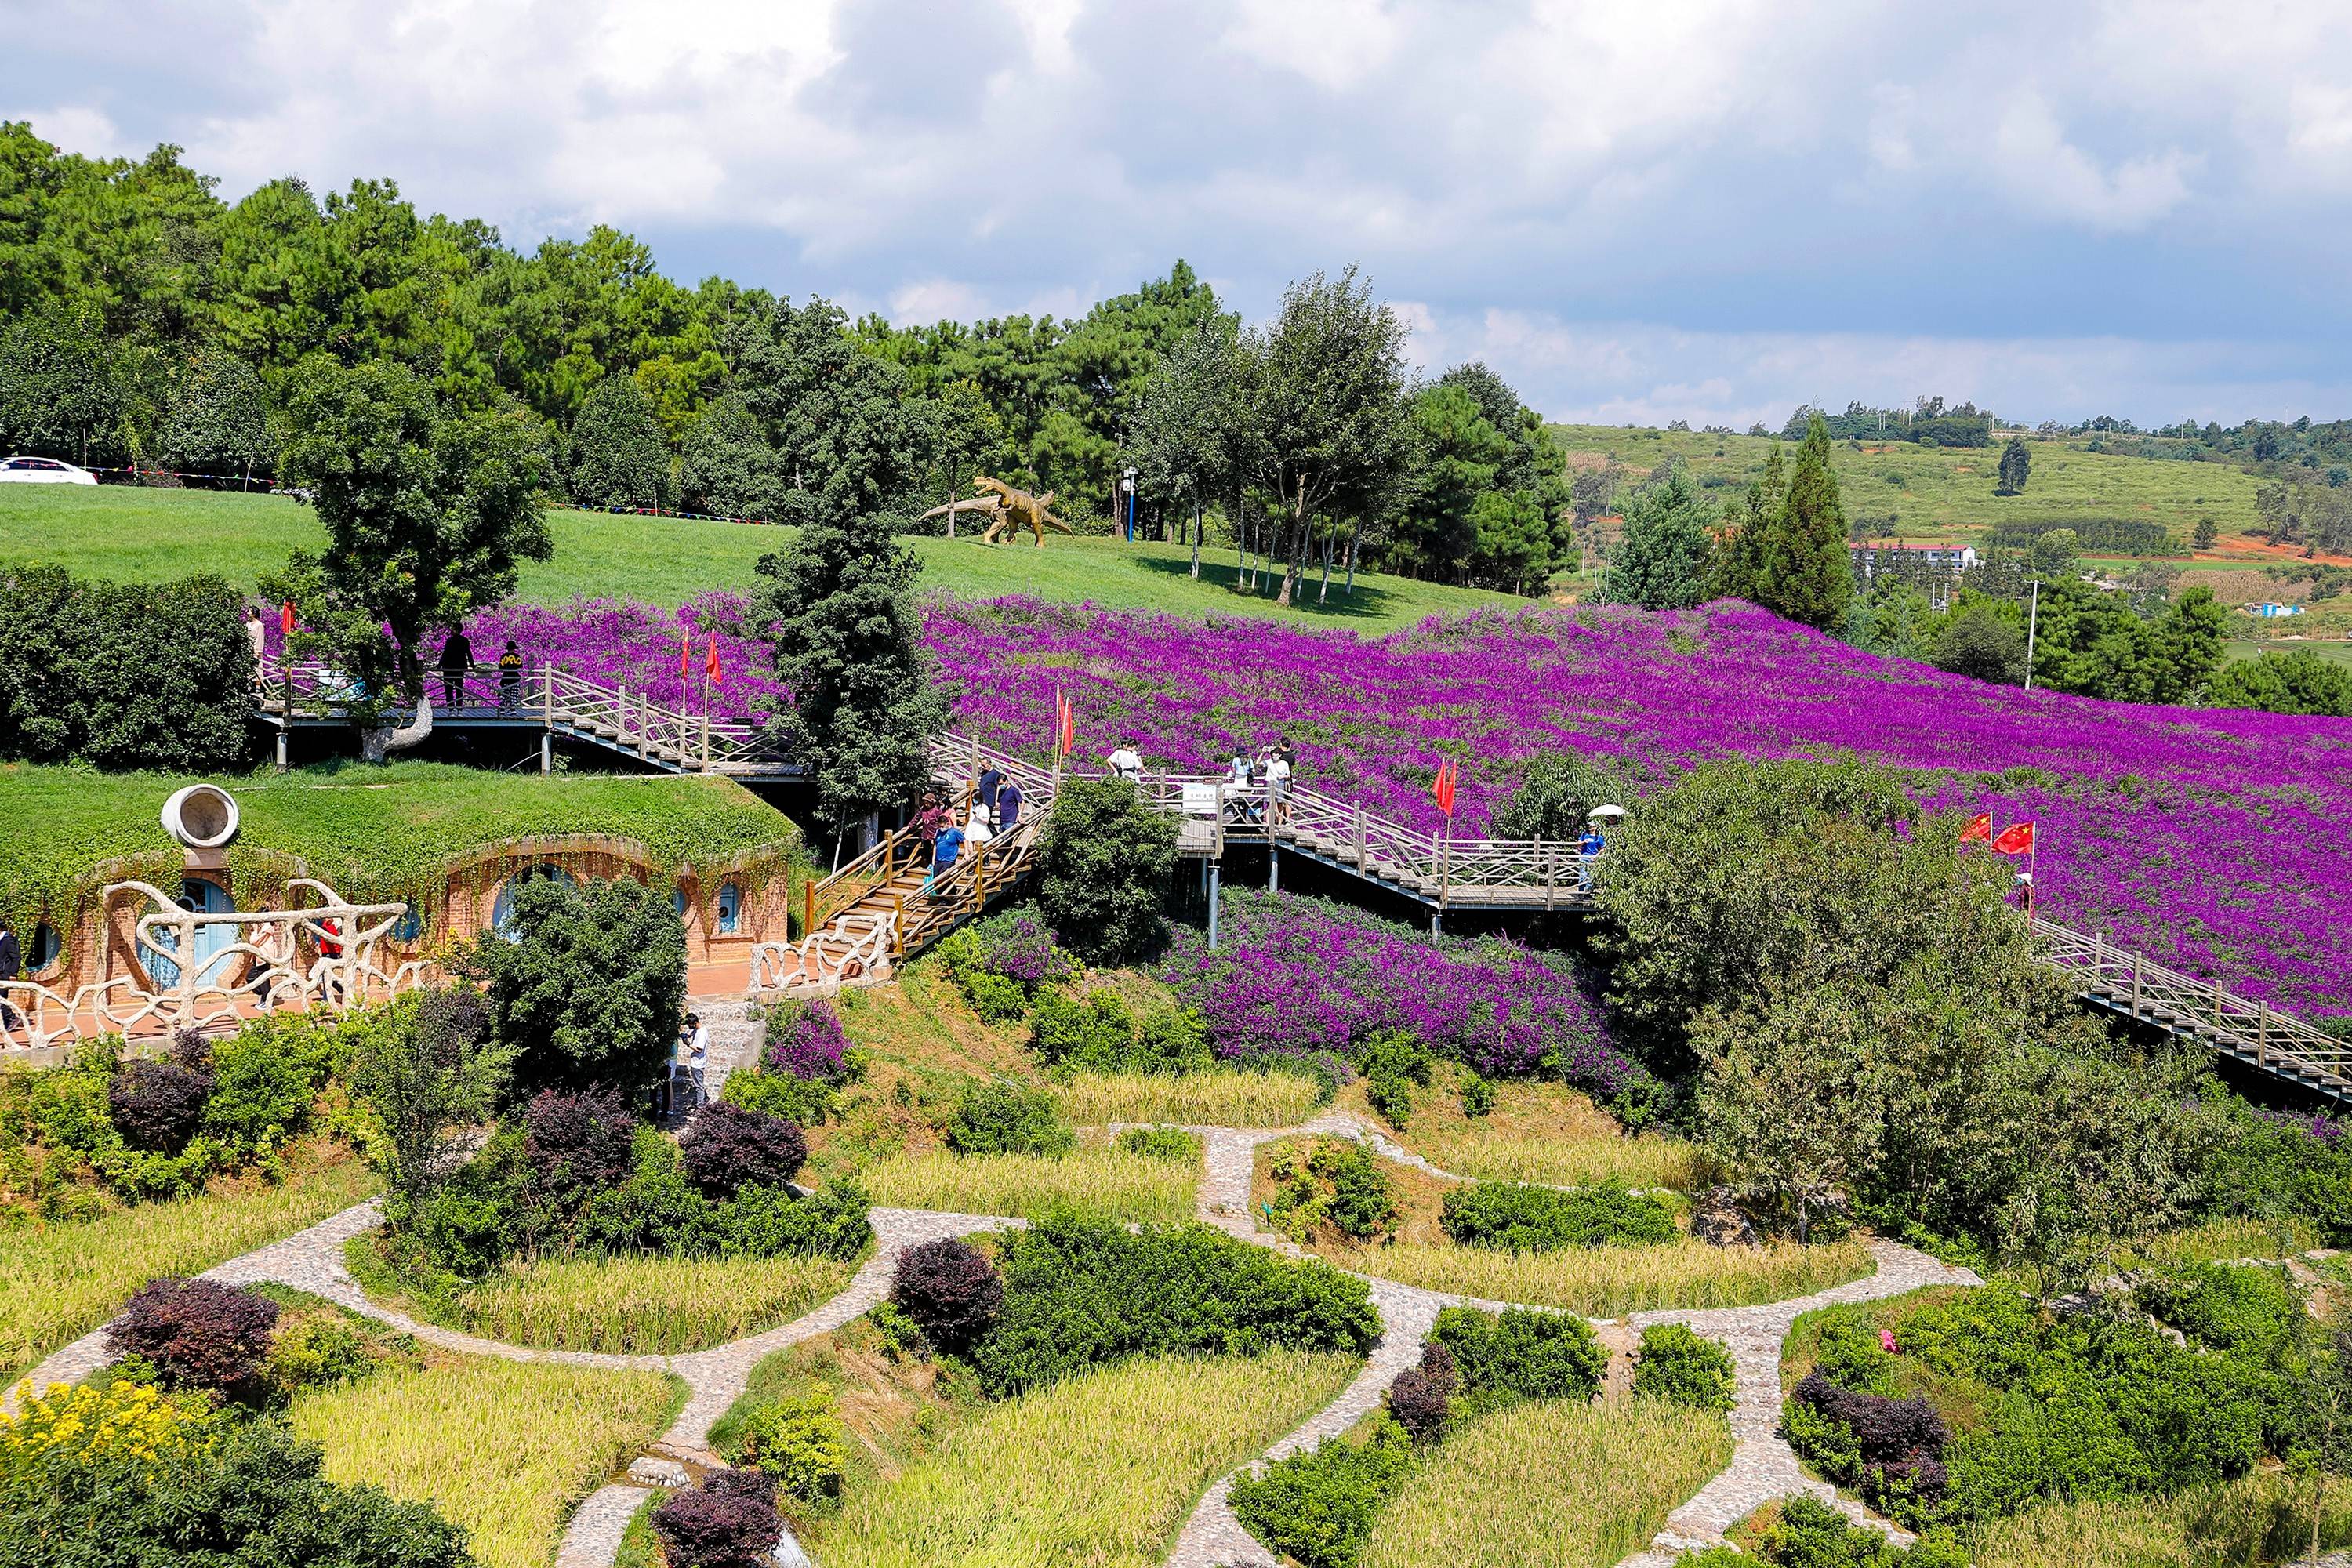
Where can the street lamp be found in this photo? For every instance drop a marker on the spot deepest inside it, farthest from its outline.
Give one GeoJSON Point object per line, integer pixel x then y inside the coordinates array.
{"type": "Point", "coordinates": [1127, 481]}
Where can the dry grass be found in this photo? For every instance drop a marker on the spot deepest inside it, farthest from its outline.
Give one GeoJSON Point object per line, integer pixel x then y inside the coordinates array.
{"type": "Point", "coordinates": [1550, 1485]}
{"type": "Point", "coordinates": [2222, 1238]}
{"type": "Point", "coordinates": [653, 1306]}
{"type": "Point", "coordinates": [504, 1448]}
{"type": "Point", "coordinates": [1538, 1132]}
{"type": "Point", "coordinates": [1096, 1179]}
{"type": "Point", "coordinates": [2265, 1512]}
{"type": "Point", "coordinates": [1101, 1470]}
{"type": "Point", "coordinates": [64, 1280]}
{"type": "Point", "coordinates": [1608, 1281]}
{"type": "Point", "coordinates": [1225, 1098]}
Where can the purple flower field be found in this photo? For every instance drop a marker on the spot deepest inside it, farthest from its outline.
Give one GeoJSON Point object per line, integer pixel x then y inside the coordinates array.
{"type": "Point", "coordinates": [2218, 842]}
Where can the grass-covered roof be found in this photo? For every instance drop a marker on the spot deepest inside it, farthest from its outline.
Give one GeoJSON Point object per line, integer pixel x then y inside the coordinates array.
{"type": "Point", "coordinates": [371, 833]}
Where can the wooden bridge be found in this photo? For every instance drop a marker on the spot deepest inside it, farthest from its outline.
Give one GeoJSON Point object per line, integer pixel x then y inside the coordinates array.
{"type": "Point", "coordinates": [884, 906]}
{"type": "Point", "coordinates": [546, 702]}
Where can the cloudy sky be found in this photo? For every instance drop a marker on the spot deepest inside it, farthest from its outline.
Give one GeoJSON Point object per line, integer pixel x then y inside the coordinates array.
{"type": "Point", "coordinates": [1638, 210]}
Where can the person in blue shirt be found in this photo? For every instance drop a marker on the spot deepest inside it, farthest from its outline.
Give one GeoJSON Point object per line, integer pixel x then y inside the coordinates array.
{"type": "Point", "coordinates": [944, 850]}
{"type": "Point", "coordinates": [1587, 850]}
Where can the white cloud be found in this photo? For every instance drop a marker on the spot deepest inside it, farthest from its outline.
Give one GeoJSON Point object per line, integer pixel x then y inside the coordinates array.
{"type": "Point", "coordinates": [75, 128]}
{"type": "Point", "coordinates": [1334, 44]}
{"type": "Point", "coordinates": [2048, 174]}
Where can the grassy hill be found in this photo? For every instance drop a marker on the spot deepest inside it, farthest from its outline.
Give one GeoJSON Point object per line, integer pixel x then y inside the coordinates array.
{"type": "Point", "coordinates": [132, 534]}
{"type": "Point", "coordinates": [1932, 492]}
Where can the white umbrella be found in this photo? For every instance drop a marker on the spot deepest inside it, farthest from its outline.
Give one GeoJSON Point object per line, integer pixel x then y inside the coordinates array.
{"type": "Point", "coordinates": [1606, 811]}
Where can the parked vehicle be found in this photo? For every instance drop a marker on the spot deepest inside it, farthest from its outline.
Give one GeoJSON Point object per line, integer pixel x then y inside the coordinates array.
{"type": "Point", "coordinates": [44, 472]}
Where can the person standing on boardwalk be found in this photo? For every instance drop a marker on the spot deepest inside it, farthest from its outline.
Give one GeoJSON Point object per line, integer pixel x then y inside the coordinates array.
{"type": "Point", "coordinates": [1277, 783]}
{"type": "Point", "coordinates": [992, 779]}
{"type": "Point", "coordinates": [1009, 801]}
{"type": "Point", "coordinates": [1587, 851]}
{"type": "Point", "coordinates": [944, 850]}
{"type": "Point", "coordinates": [1126, 761]}
{"type": "Point", "coordinates": [509, 677]}
{"type": "Point", "coordinates": [456, 658]}
{"type": "Point", "coordinates": [255, 634]}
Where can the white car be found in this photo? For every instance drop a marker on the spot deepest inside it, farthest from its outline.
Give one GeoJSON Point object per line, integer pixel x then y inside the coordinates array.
{"type": "Point", "coordinates": [43, 471]}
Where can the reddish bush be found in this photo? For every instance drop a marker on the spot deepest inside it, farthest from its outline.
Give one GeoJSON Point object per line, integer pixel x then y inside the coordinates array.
{"type": "Point", "coordinates": [729, 1522]}
{"type": "Point", "coordinates": [1901, 1441]}
{"type": "Point", "coordinates": [728, 1147]}
{"type": "Point", "coordinates": [158, 1106]}
{"type": "Point", "coordinates": [577, 1145]}
{"type": "Point", "coordinates": [951, 1291]}
{"type": "Point", "coordinates": [1421, 1394]}
{"type": "Point", "coordinates": [198, 1333]}
{"type": "Point", "coordinates": [449, 1019]}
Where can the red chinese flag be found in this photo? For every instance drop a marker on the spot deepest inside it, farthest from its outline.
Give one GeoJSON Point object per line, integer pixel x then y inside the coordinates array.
{"type": "Point", "coordinates": [710, 663]}
{"type": "Point", "coordinates": [286, 617]}
{"type": "Point", "coordinates": [2015, 839]}
{"type": "Point", "coordinates": [1443, 789]}
{"type": "Point", "coordinates": [1067, 732]}
{"type": "Point", "coordinates": [686, 655]}
{"type": "Point", "coordinates": [1979, 829]}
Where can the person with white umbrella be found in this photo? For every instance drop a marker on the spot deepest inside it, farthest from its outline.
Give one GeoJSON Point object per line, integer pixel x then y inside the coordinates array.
{"type": "Point", "coordinates": [1588, 847]}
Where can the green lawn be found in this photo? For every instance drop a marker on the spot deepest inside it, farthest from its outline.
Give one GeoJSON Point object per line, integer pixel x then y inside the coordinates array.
{"type": "Point", "coordinates": [2333, 652]}
{"type": "Point", "coordinates": [1947, 491]}
{"type": "Point", "coordinates": [147, 535]}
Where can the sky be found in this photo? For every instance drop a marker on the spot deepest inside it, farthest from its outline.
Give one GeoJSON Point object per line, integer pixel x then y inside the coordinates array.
{"type": "Point", "coordinates": [1635, 210]}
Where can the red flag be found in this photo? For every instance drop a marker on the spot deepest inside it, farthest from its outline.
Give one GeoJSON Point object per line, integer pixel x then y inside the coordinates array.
{"type": "Point", "coordinates": [2015, 839]}
{"type": "Point", "coordinates": [286, 617]}
{"type": "Point", "coordinates": [1066, 725]}
{"type": "Point", "coordinates": [1448, 774]}
{"type": "Point", "coordinates": [1979, 829]}
{"type": "Point", "coordinates": [710, 663]}
{"type": "Point", "coordinates": [685, 657]}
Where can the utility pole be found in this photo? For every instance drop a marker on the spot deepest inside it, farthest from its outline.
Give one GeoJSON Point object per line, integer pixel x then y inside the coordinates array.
{"type": "Point", "coordinates": [2033, 617]}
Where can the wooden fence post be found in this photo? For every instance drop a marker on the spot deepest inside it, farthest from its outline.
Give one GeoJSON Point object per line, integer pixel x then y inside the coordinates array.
{"type": "Point", "coordinates": [1544, 858]}
{"type": "Point", "coordinates": [2135, 983]}
{"type": "Point", "coordinates": [1363, 860]}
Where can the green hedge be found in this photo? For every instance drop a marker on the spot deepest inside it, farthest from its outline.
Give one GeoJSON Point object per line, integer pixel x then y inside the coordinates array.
{"type": "Point", "coordinates": [122, 675]}
{"type": "Point", "coordinates": [1547, 1219]}
{"type": "Point", "coordinates": [1504, 1357]}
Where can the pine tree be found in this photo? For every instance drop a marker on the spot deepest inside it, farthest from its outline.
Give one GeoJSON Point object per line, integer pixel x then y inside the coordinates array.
{"type": "Point", "coordinates": [1808, 571]}
{"type": "Point", "coordinates": [840, 603]}
{"type": "Point", "coordinates": [618, 456]}
{"type": "Point", "coordinates": [1740, 562]}
{"type": "Point", "coordinates": [1662, 561]}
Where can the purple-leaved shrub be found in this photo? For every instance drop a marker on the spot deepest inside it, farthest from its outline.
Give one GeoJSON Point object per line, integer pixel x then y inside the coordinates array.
{"type": "Point", "coordinates": [197, 1332]}
{"type": "Point", "coordinates": [951, 1291]}
{"type": "Point", "coordinates": [727, 1148]}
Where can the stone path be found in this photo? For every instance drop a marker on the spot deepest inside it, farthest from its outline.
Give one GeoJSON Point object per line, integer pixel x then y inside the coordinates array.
{"type": "Point", "coordinates": [1763, 1467]}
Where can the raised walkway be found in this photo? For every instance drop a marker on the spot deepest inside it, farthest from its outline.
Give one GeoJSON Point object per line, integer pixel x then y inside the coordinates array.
{"type": "Point", "coordinates": [1763, 1467]}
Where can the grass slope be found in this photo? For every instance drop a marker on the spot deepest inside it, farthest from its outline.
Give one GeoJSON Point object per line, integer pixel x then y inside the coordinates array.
{"type": "Point", "coordinates": [1098, 1182]}
{"type": "Point", "coordinates": [1102, 1469]}
{"type": "Point", "coordinates": [1543, 1133]}
{"type": "Point", "coordinates": [1946, 492]}
{"type": "Point", "coordinates": [63, 1280]}
{"type": "Point", "coordinates": [1550, 1485]}
{"type": "Point", "coordinates": [503, 1448]}
{"type": "Point", "coordinates": [147, 535]}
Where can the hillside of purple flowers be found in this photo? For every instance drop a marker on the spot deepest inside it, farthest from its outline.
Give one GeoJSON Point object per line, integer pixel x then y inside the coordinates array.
{"type": "Point", "coordinates": [1300, 978]}
{"type": "Point", "coordinates": [2218, 842]}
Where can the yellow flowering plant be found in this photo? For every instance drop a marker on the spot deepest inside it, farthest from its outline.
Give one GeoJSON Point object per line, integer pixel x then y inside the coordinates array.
{"type": "Point", "coordinates": [123, 1419]}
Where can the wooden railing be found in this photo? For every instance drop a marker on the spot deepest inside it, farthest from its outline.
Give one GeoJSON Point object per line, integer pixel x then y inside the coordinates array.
{"type": "Point", "coordinates": [611, 715]}
{"type": "Point", "coordinates": [2254, 1032]}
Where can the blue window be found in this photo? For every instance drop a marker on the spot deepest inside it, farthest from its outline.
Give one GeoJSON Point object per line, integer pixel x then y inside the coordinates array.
{"type": "Point", "coordinates": [45, 947]}
{"type": "Point", "coordinates": [162, 961]}
{"type": "Point", "coordinates": [678, 899]}
{"type": "Point", "coordinates": [412, 924]}
{"type": "Point", "coordinates": [502, 912]}
{"type": "Point", "coordinates": [730, 908]}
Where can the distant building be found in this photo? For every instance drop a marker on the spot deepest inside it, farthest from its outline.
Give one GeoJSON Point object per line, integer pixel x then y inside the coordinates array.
{"type": "Point", "coordinates": [1935, 569]}
{"type": "Point", "coordinates": [2268, 611]}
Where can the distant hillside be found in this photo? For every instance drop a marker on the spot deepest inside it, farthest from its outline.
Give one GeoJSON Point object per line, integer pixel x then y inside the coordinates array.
{"type": "Point", "coordinates": [1920, 492]}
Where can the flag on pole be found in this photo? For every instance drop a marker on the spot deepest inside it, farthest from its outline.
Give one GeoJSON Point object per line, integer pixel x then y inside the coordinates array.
{"type": "Point", "coordinates": [1978, 830]}
{"type": "Point", "coordinates": [710, 663]}
{"type": "Point", "coordinates": [286, 617]}
{"type": "Point", "coordinates": [684, 659]}
{"type": "Point", "coordinates": [1066, 725]}
{"type": "Point", "coordinates": [2015, 839]}
{"type": "Point", "coordinates": [1449, 774]}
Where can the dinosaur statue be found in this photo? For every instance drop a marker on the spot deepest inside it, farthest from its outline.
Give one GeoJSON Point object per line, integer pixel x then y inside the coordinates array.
{"type": "Point", "coordinates": [1012, 508]}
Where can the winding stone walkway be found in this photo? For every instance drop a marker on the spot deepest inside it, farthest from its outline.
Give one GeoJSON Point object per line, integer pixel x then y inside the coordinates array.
{"type": "Point", "coordinates": [1762, 1467]}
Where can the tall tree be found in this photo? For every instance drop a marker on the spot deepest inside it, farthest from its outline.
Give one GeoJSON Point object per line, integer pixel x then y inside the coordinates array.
{"type": "Point", "coordinates": [62, 381]}
{"type": "Point", "coordinates": [1183, 437]}
{"type": "Point", "coordinates": [428, 516]}
{"type": "Point", "coordinates": [840, 605]}
{"type": "Point", "coordinates": [219, 419]}
{"type": "Point", "coordinates": [846, 441]}
{"type": "Point", "coordinates": [1807, 568]}
{"type": "Point", "coordinates": [1661, 563]}
{"type": "Point", "coordinates": [1748, 525]}
{"type": "Point", "coordinates": [2015, 462]}
{"type": "Point", "coordinates": [1325, 382]}
{"type": "Point", "coordinates": [617, 455]}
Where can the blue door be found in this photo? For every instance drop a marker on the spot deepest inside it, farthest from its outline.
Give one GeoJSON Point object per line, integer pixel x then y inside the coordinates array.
{"type": "Point", "coordinates": [162, 960]}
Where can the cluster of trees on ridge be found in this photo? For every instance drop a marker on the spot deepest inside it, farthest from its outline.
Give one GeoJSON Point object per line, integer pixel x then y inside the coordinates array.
{"type": "Point", "coordinates": [152, 325]}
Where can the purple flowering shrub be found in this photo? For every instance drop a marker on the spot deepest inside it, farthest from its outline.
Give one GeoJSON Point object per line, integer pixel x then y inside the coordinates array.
{"type": "Point", "coordinates": [951, 1291]}
{"type": "Point", "coordinates": [1299, 978]}
{"type": "Point", "coordinates": [730, 1147]}
{"type": "Point", "coordinates": [807, 1041]}
{"type": "Point", "coordinates": [576, 1144]}
{"type": "Point", "coordinates": [728, 1521]}
{"type": "Point", "coordinates": [198, 1333]}
{"type": "Point", "coordinates": [1002, 964]}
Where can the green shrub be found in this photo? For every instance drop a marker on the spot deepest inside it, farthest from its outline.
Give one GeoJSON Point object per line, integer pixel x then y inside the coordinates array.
{"type": "Point", "coordinates": [999, 1116]}
{"type": "Point", "coordinates": [1335, 1180]}
{"type": "Point", "coordinates": [1173, 1040]}
{"type": "Point", "coordinates": [997, 999]}
{"type": "Point", "coordinates": [2250, 1311]}
{"type": "Point", "coordinates": [804, 1100]}
{"type": "Point", "coordinates": [1319, 1505]}
{"type": "Point", "coordinates": [900, 1335]}
{"type": "Point", "coordinates": [317, 1346]}
{"type": "Point", "coordinates": [801, 1442]}
{"type": "Point", "coordinates": [1080, 1293]}
{"type": "Point", "coordinates": [1678, 1366]}
{"type": "Point", "coordinates": [1170, 1143]}
{"type": "Point", "coordinates": [1003, 963]}
{"type": "Point", "coordinates": [1504, 1357]}
{"type": "Point", "coordinates": [1391, 1095]}
{"type": "Point", "coordinates": [1810, 1533]}
{"type": "Point", "coordinates": [1520, 1218]}
{"type": "Point", "coordinates": [1104, 863]}
{"type": "Point", "coordinates": [1477, 1095]}
{"type": "Point", "coordinates": [1096, 1034]}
